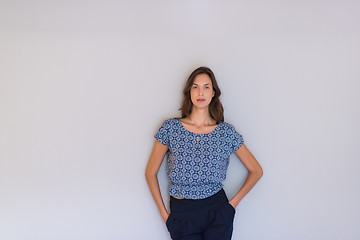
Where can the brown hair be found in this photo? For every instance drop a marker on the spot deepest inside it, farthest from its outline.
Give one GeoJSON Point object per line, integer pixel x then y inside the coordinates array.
{"type": "Point", "coordinates": [216, 110]}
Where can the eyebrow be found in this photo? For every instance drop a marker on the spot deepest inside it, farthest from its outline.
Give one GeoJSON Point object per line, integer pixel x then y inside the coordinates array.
{"type": "Point", "coordinates": [204, 84]}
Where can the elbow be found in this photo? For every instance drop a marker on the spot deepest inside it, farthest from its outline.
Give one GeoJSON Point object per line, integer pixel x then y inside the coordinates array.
{"type": "Point", "coordinates": [259, 172]}
{"type": "Point", "coordinates": [149, 175]}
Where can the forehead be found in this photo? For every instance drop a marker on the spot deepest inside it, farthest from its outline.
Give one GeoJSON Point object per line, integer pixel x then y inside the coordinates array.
{"type": "Point", "coordinates": [202, 79]}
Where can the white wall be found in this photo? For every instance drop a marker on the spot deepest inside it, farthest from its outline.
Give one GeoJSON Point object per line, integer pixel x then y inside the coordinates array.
{"type": "Point", "coordinates": [84, 86]}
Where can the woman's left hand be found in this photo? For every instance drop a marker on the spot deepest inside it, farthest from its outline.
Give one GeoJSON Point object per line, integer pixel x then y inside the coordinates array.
{"type": "Point", "coordinates": [234, 206]}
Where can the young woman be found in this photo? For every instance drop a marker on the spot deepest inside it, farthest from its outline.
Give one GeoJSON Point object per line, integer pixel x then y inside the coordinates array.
{"type": "Point", "coordinates": [197, 148]}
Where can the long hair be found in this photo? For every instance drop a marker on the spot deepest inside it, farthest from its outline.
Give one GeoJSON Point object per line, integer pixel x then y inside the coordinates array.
{"type": "Point", "coordinates": [216, 110]}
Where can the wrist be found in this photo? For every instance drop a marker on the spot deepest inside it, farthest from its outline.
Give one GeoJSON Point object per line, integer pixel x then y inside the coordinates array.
{"type": "Point", "coordinates": [233, 203]}
{"type": "Point", "coordinates": [164, 213]}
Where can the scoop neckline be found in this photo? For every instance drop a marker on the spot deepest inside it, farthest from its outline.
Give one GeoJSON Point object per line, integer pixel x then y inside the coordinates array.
{"type": "Point", "coordinates": [197, 133]}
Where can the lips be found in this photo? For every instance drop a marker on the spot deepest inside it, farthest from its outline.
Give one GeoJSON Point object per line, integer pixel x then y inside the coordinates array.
{"type": "Point", "coordinates": [201, 100]}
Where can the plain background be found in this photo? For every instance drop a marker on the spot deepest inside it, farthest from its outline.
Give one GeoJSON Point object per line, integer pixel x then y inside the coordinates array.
{"type": "Point", "coordinates": [86, 84]}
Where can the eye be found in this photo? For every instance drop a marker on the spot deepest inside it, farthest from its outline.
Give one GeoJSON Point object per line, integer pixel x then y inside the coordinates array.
{"type": "Point", "coordinates": [207, 87]}
{"type": "Point", "coordinates": [194, 87]}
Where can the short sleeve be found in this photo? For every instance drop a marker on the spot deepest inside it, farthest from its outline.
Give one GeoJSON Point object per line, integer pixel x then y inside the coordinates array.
{"type": "Point", "coordinates": [237, 140]}
{"type": "Point", "coordinates": [162, 134]}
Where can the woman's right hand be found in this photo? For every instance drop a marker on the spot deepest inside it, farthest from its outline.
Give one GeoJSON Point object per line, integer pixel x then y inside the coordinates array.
{"type": "Point", "coordinates": [151, 172]}
{"type": "Point", "coordinates": [165, 217]}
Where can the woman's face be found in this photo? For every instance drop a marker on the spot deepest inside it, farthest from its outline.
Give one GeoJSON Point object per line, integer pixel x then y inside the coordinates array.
{"type": "Point", "coordinates": [202, 91]}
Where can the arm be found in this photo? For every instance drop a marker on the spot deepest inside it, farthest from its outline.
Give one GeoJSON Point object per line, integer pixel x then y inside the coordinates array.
{"type": "Point", "coordinates": [151, 172]}
{"type": "Point", "coordinates": [255, 173]}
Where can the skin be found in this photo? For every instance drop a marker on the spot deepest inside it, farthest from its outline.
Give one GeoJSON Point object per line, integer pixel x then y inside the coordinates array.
{"type": "Point", "coordinates": [200, 122]}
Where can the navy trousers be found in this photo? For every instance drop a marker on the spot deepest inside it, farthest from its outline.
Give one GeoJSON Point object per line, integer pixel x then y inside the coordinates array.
{"type": "Point", "coordinates": [202, 219]}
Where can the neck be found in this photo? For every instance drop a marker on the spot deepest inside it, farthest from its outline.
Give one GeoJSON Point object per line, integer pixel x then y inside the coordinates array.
{"type": "Point", "coordinates": [201, 117]}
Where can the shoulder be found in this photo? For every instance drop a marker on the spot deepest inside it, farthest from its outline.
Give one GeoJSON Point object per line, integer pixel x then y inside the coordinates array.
{"type": "Point", "coordinates": [228, 125]}
{"type": "Point", "coordinates": [230, 128]}
{"type": "Point", "coordinates": [169, 122]}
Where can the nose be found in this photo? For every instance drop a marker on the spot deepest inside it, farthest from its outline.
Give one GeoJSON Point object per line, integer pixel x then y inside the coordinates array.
{"type": "Point", "coordinates": [201, 92]}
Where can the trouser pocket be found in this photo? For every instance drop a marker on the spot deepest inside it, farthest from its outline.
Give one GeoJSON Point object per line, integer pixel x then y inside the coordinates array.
{"type": "Point", "coordinates": [231, 207]}
{"type": "Point", "coordinates": [178, 225]}
{"type": "Point", "coordinates": [169, 221]}
{"type": "Point", "coordinates": [227, 212]}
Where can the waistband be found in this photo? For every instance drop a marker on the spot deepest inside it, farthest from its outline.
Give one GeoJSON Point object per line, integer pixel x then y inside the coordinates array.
{"type": "Point", "coordinates": [179, 205]}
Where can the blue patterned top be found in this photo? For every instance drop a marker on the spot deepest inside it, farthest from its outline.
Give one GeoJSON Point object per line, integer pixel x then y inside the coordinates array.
{"type": "Point", "coordinates": [197, 163]}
